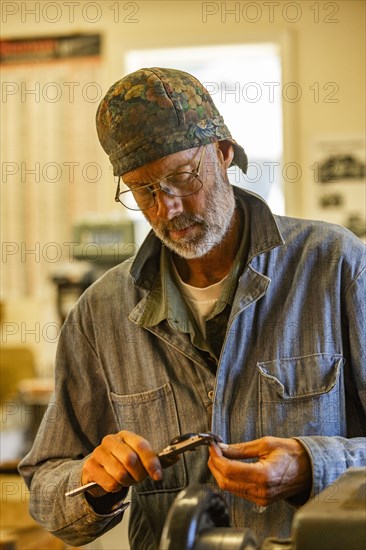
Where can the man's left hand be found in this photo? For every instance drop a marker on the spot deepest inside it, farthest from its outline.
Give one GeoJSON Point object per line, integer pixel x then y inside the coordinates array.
{"type": "Point", "coordinates": [282, 469]}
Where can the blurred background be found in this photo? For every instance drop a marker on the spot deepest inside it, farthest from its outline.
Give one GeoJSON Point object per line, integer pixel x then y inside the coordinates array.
{"type": "Point", "coordinates": [288, 78]}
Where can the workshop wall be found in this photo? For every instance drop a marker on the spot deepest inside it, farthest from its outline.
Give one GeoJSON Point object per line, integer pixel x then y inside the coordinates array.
{"type": "Point", "coordinates": [322, 45]}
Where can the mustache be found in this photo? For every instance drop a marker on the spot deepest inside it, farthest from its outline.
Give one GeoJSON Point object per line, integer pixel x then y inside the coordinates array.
{"type": "Point", "coordinates": [182, 221]}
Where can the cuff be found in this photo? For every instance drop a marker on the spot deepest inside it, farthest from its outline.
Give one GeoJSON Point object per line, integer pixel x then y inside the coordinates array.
{"type": "Point", "coordinates": [329, 459]}
{"type": "Point", "coordinates": [109, 503]}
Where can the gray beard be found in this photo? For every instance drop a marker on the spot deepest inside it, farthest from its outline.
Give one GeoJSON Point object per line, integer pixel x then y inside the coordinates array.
{"type": "Point", "coordinates": [213, 225]}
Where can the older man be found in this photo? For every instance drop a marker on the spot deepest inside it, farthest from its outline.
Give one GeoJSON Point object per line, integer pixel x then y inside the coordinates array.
{"type": "Point", "coordinates": [228, 319]}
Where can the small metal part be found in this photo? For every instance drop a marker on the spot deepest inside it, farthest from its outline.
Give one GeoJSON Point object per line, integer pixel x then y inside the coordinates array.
{"type": "Point", "coordinates": [187, 442]}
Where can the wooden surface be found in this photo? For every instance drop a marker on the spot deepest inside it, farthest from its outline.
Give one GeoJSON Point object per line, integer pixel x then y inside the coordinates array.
{"type": "Point", "coordinates": [33, 538]}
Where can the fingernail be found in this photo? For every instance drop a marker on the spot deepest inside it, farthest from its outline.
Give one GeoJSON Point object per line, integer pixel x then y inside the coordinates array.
{"type": "Point", "coordinates": [223, 446]}
{"type": "Point", "coordinates": [157, 475]}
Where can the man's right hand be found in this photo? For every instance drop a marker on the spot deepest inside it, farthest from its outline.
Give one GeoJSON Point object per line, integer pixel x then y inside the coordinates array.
{"type": "Point", "coordinates": [121, 460]}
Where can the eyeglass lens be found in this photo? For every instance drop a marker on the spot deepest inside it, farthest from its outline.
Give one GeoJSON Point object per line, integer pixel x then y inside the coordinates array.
{"type": "Point", "coordinates": [181, 184]}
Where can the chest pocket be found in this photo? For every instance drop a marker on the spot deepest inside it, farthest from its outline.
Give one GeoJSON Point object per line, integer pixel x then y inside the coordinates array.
{"type": "Point", "coordinates": [302, 395]}
{"type": "Point", "coordinates": [153, 415]}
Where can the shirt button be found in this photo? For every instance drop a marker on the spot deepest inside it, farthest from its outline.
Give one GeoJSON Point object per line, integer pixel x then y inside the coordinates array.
{"type": "Point", "coordinates": [211, 395]}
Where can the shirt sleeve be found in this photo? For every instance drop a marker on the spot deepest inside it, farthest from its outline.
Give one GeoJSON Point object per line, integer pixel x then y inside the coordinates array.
{"type": "Point", "coordinates": [69, 432]}
{"type": "Point", "coordinates": [332, 456]}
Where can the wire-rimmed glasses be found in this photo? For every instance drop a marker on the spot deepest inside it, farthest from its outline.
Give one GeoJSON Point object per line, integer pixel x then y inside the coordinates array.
{"type": "Point", "coordinates": [141, 196]}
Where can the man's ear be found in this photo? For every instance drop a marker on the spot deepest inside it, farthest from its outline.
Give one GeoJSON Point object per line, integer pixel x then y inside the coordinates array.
{"type": "Point", "coordinates": [225, 151]}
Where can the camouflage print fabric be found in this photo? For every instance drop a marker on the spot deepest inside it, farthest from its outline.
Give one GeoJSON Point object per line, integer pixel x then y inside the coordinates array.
{"type": "Point", "coordinates": [154, 112]}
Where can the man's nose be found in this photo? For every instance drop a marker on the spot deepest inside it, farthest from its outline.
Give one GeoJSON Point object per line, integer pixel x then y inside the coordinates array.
{"type": "Point", "coordinates": [167, 206]}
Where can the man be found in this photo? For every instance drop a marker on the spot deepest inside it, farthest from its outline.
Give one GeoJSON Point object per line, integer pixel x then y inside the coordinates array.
{"type": "Point", "coordinates": [229, 319]}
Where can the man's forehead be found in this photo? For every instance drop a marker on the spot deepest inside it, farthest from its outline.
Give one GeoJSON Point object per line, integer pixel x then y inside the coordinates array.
{"type": "Point", "coordinates": [164, 165]}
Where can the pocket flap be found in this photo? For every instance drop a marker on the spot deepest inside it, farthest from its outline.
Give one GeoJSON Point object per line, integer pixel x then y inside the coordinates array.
{"type": "Point", "coordinates": [309, 375]}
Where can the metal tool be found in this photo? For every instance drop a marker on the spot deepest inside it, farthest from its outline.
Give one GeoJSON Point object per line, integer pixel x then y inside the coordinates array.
{"type": "Point", "coordinates": [177, 446]}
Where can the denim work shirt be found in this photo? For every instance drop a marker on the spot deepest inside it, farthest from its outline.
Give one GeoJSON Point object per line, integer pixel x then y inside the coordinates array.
{"type": "Point", "coordinates": [292, 365]}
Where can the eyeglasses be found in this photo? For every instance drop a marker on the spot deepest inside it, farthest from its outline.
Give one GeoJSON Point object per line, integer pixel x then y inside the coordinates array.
{"type": "Point", "coordinates": [142, 195]}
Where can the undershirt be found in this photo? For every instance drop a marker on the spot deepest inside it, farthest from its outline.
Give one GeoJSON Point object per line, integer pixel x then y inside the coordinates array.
{"type": "Point", "coordinates": [201, 301]}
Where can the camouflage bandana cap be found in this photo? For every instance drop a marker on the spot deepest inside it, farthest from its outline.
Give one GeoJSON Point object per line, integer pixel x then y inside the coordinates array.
{"type": "Point", "coordinates": [155, 112]}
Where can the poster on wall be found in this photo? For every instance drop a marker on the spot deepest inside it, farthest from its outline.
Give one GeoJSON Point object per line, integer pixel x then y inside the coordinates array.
{"type": "Point", "coordinates": [340, 186]}
{"type": "Point", "coordinates": [49, 48]}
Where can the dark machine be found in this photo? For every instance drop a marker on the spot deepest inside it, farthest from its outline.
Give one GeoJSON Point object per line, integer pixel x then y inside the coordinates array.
{"type": "Point", "coordinates": [334, 520]}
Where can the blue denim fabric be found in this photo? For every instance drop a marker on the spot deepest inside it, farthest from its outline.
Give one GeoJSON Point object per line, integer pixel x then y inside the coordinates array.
{"type": "Point", "coordinates": [292, 365]}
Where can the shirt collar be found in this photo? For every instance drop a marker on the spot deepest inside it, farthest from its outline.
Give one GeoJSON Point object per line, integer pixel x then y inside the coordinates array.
{"type": "Point", "coordinates": [264, 235]}
{"type": "Point", "coordinates": [151, 268]}
{"type": "Point", "coordinates": [166, 302]}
